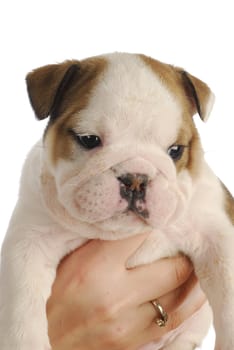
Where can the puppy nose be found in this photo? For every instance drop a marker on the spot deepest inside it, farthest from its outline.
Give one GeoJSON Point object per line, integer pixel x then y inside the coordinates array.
{"type": "Point", "coordinates": [133, 185]}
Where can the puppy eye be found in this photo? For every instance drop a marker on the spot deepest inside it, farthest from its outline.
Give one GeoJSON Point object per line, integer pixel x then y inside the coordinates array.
{"type": "Point", "coordinates": [89, 141]}
{"type": "Point", "coordinates": [175, 152]}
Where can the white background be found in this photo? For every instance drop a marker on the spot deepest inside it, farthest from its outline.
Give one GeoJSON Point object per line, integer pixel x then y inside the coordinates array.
{"type": "Point", "coordinates": [197, 35]}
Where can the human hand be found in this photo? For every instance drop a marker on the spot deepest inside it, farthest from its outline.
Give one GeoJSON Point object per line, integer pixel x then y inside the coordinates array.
{"type": "Point", "coordinates": [96, 303]}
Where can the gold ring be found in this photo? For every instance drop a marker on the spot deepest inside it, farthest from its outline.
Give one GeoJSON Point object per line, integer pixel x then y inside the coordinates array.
{"type": "Point", "coordinates": [162, 320]}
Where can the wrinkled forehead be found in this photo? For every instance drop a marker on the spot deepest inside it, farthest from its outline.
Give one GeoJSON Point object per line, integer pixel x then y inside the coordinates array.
{"type": "Point", "coordinates": [132, 99]}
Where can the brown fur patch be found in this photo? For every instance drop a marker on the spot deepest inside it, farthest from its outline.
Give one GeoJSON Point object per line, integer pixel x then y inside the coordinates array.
{"type": "Point", "coordinates": [188, 135]}
{"type": "Point", "coordinates": [57, 133]}
{"type": "Point", "coordinates": [45, 82]}
{"type": "Point", "coordinates": [193, 93]}
{"type": "Point", "coordinates": [171, 78]}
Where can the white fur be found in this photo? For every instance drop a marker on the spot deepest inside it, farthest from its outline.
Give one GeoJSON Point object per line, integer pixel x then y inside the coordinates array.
{"type": "Point", "coordinates": [62, 206]}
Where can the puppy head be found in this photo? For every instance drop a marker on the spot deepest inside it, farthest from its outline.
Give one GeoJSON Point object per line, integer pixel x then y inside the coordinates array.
{"type": "Point", "coordinates": [121, 148]}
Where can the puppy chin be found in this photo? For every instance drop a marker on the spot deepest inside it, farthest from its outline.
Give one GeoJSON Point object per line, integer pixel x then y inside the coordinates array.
{"type": "Point", "coordinates": [122, 225]}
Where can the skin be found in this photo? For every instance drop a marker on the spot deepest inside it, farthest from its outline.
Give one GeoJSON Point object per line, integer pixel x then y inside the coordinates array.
{"type": "Point", "coordinates": [96, 303]}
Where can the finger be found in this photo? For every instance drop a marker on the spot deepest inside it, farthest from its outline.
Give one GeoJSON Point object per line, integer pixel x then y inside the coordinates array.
{"type": "Point", "coordinates": [195, 300]}
{"type": "Point", "coordinates": [117, 250]}
{"type": "Point", "coordinates": [162, 276]}
{"type": "Point", "coordinates": [146, 314]}
{"type": "Point", "coordinates": [174, 299]}
{"type": "Point", "coordinates": [69, 262]}
{"type": "Point", "coordinates": [121, 249]}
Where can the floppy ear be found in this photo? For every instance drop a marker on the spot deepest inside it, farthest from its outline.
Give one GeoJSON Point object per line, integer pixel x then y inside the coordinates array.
{"type": "Point", "coordinates": [199, 94]}
{"type": "Point", "coordinates": [47, 85]}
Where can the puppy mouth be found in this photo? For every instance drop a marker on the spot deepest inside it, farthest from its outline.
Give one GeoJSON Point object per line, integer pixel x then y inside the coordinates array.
{"type": "Point", "coordinates": [138, 207]}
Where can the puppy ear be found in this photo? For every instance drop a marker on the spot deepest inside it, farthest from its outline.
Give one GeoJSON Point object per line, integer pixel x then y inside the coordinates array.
{"type": "Point", "coordinates": [199, 94]}
{"type": "Point", "coordinates": [47, 85]}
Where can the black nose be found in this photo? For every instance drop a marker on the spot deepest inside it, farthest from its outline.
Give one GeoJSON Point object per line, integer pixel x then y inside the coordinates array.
{"type": "Point", "coordinates": [133, 186]}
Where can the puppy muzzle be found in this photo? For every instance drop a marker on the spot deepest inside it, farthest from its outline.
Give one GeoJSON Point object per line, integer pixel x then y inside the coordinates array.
{"type": "Point", "coordinates": [111, 189]}
{"type": "Point", "coordinates": [133, 190]}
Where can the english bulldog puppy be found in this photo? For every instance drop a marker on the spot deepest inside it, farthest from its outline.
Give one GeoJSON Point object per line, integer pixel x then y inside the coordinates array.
{"type": "Point", "coordinates": [120, 156]}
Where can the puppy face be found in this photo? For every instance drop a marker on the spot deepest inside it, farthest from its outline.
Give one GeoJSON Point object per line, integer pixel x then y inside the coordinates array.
{"type": "Point", "coordinates": [121, 148]}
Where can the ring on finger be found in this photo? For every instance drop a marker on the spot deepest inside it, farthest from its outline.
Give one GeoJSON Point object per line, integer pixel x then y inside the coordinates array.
{"type": "Point", "coordinates": [161, 321]}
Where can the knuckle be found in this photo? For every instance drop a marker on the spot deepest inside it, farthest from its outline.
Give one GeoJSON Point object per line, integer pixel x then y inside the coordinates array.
{"type": "Point", "coordinates": [114, 332]}
{"type": "Point", "coordinates": [106, 311]}
{"type": "Point", "coordinates": [115, 337]}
